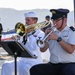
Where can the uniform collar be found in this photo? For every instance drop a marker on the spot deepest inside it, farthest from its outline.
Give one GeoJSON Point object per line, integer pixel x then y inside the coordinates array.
{"type": "Point", "coordinates": [36, 32]}
{"type": "Point", "coordinates": [65, 29]}
{"type": "Point", "coordinates": [31, 33]}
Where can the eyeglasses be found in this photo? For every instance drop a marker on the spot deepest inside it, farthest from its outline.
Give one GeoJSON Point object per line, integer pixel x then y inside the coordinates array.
{"type": "Point", "coordinates": [57, 19]}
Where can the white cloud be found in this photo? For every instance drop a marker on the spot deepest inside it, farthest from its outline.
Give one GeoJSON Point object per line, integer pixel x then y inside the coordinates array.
{"type": "Point", "coordinates": [34, 4]}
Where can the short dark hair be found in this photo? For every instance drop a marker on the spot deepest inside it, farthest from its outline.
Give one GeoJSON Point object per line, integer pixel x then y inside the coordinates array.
{"type": "Point", "coordinates": [47, 16]}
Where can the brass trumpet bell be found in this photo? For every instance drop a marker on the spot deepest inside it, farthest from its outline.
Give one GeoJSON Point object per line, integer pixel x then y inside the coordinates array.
{"type": "Point", "coordinates": [22, 29]}
{"type": "Point", "coordinates": [40, 43]}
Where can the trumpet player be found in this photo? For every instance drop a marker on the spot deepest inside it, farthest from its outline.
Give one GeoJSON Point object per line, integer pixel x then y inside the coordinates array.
{"type": "Point", "coordinates": [61, 44]}
{"type": "Point", "coordinates": [24, 64]}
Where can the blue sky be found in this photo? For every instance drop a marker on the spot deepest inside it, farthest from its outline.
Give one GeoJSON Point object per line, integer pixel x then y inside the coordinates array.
{"type": "Point", "coordinates": [34, 4]}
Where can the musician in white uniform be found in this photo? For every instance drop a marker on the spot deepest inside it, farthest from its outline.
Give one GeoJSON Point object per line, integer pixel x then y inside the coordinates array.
{"type": "Point", "coordinates": [61, 44]}
{"type": "Point", "coordinates": [24, 64]}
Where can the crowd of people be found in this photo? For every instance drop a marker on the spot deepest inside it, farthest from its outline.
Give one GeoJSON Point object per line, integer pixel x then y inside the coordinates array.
{"type": "Point", "coordinates": [60, 42]}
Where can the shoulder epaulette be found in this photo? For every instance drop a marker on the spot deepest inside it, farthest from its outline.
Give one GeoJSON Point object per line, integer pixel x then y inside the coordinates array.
{"type": "Point", "coordinates": [72, 28]}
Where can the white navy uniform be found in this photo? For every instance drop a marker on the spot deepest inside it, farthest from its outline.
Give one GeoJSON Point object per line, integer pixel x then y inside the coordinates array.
{"type": "Point", "coordinates": [24, 64]}
{"type": "Point", "coordinates": [58, 54]}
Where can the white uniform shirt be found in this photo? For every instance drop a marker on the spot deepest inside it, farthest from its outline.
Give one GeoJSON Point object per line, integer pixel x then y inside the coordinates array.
{"type": "Point", "coordinates": [31, 44]}
{"type": "Point", "coordinates": [58, 54]}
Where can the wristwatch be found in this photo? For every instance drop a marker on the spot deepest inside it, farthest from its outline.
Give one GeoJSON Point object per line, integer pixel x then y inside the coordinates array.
{"type": "Point", "coordinates": [59, 39]}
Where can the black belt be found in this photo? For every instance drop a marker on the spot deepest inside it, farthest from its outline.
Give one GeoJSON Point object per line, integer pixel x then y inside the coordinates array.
{"type": "Point", "coordinates": [62, 63]}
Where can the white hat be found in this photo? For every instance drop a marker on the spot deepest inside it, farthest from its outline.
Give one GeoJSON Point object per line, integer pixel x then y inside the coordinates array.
{"type": "Point", "coordinates": [31, 14]}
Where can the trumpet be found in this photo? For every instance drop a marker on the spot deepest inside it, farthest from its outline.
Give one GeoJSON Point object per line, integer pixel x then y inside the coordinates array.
{"type": "Point", "coordinates": [41, 43]}
{"type": "Point", "coordinates": [22, 29]}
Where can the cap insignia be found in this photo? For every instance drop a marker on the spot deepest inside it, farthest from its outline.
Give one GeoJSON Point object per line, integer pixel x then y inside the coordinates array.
{"type": "Point", "coordinates": [54, 12]}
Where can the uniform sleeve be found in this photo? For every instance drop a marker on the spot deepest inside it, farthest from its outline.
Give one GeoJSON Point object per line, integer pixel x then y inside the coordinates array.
{"type": "Point", "coordinates": [72, 38]}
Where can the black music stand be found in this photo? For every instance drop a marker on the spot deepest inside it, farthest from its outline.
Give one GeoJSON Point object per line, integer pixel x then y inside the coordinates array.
{"type": "Point", "coordinates": [16, 49]}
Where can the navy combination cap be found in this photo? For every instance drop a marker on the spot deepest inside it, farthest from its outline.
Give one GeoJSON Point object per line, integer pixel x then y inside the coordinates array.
{"type": "Point", "coordinates": [58, 13]}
